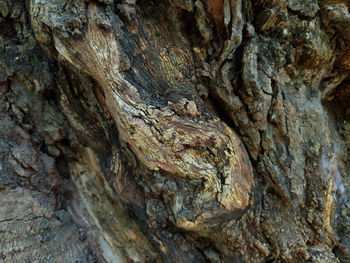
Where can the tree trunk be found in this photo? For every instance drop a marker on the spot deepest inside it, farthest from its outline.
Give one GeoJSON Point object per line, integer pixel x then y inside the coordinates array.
{"type": "Point", "coordinates": [174, 131]}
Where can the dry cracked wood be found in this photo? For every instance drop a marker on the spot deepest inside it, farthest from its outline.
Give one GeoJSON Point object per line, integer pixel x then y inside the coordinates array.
{"type": "Point", "coordinates": [185, 146]}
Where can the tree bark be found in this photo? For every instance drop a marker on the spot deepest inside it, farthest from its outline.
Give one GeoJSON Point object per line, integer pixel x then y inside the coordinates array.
{"type": "Point", "coordinates": [174, 131]}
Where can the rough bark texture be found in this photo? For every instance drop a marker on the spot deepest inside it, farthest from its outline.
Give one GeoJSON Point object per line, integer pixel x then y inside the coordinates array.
{"type": "Point", "coordinates": [174, 131]}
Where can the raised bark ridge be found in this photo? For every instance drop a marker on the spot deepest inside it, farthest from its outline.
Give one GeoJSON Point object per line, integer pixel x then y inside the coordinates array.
{"type": "Point", "coordinates": [185, 146]}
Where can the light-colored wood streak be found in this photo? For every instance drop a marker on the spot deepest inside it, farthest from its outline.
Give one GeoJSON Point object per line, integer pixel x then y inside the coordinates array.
{"type": "Point", "coordinates": [160, 138]}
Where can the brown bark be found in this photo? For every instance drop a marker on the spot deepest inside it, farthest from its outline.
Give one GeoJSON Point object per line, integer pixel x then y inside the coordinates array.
{"type": "Point", "coordinates": [174, 131]}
